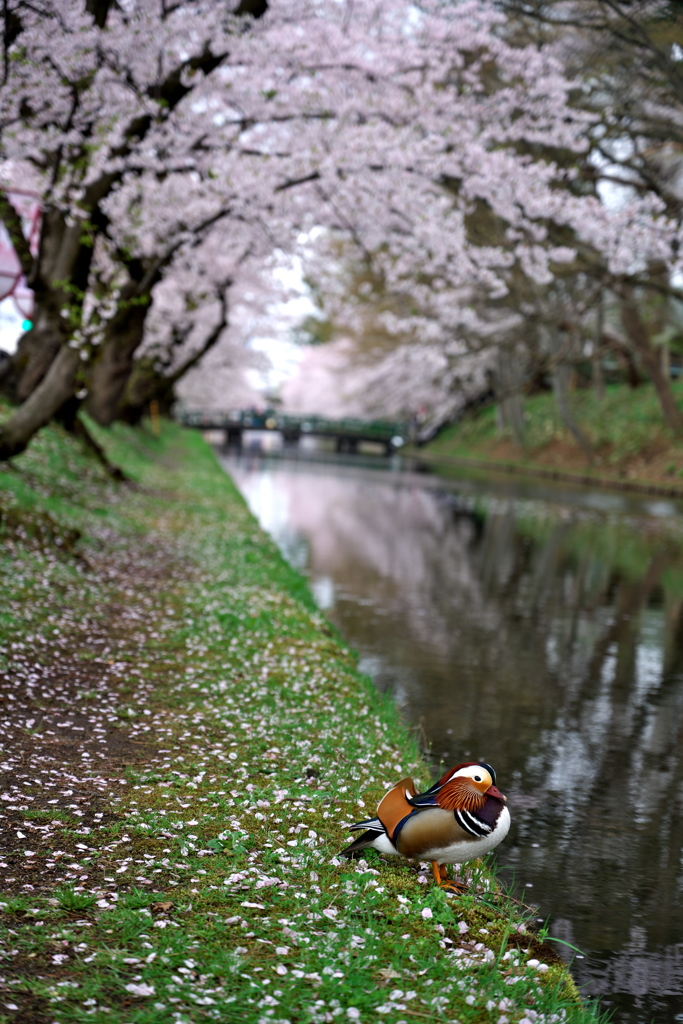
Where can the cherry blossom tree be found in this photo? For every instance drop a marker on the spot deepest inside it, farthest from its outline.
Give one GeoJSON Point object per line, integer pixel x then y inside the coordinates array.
{"type": "Point", "coordinates": [189, 319]}
{"type": "Point", "coordinates": [150, 127]}
{"type": "Point", "coordinates": [94, 96]}
{"type": "Point", "coordinates": [569, 232]}
{"type": "Point", "coordinates": [629, 61]}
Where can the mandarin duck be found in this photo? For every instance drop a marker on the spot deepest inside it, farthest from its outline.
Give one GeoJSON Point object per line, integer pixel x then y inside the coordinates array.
{"type": "Point", "coordinates": [461, 817]}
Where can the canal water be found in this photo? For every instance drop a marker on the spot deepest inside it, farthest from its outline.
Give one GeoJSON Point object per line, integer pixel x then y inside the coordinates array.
{"type": "Point", "coordinates": [539, 628]}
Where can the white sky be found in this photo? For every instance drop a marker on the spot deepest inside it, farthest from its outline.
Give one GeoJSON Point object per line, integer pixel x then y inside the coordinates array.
{"type": "Point", "coordinates": [284, 354]}
{"type": "Point", "coordinates": [10, 325]}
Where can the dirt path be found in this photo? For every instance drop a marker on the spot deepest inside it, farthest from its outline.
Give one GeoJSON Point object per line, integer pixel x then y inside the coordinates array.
{"type": "Point", "coordinates": [74, 714]}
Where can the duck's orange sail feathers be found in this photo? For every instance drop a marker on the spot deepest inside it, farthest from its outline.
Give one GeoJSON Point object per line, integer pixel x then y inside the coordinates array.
{"type": "Point", "coordinates": [394, 806]}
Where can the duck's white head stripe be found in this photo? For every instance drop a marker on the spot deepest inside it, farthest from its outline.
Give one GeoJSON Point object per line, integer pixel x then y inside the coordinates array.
{"type": "Point", "coordinates": [476, 772]}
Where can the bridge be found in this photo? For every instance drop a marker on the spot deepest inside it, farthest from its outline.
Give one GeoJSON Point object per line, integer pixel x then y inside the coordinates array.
{"type": "Point", "coordinates": [346, 433]}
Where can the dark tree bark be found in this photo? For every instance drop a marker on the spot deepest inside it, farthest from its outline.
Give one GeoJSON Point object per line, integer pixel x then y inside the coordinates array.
{"type": "Point", "coordinates": [122, 337]}
{"type": "Point", "coordinates": [510, 383]}
{"type": "Point", "coordinates": [55, 389]}
{"type": "Point", "coordinates": [597, 374]}
{"type": "Point", "coordinates": [29, 364]}
{"type": "Point", "coordinates": [12, 222]}
{"type": "Point", "coordinates": [639, 336]}
{"type": "Point", "coordinates": [124, 333]}
{"type": "Point", "coordinates": [613, 343]}
{"type": "Point", "coordinates": [147, 383]}
{"type": "Point", "coordinates": [115, 472]}
{"type": "Point", "coordinates": [114, 363]}
{"type": "Point", "coordinates": [561, 379]}
{"type": "Point", "coordinates": [99, 9]}
{"type": "Point", "coordinates": [62, 257]}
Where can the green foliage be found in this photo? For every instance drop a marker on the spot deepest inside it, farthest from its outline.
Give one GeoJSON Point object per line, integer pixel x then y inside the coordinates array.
{"type": "Point", "coordinates": [623, 426]}
{"type": "Point", "coordinates": [314, 330]}
{"type": "Point", "coordinates": [70, 900]}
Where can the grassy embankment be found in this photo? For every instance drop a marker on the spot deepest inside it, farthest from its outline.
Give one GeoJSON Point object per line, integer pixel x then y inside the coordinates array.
{"type": "Point", "coordinates": [633, 449]}
{"type": "Point", "coordinates": [177, 862]}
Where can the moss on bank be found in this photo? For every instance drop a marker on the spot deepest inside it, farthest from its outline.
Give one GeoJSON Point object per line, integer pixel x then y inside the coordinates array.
{"type": "Point", "coordinates": [171, 855]}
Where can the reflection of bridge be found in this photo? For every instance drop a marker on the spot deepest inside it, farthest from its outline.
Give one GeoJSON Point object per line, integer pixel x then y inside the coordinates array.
{"type": "Point", "coordinates": [346, 433]}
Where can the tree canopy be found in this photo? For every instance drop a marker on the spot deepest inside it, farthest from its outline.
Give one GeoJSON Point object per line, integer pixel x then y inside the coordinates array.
{"type": "Point", "coordinates": [461, 149]}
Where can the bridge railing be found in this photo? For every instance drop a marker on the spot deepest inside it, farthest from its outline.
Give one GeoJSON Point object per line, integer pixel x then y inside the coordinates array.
{"type": "Point", "coordinates": [248, 419]}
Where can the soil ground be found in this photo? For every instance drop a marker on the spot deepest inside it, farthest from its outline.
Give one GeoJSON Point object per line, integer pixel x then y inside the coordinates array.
{"type": "Point", "coordinates": [66, 740]}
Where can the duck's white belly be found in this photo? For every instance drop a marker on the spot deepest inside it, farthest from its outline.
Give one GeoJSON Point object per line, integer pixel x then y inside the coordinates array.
{"type": "Point", "coordinates": [383, 844]}
{"type": "Point", "coordinates": [458, 853]}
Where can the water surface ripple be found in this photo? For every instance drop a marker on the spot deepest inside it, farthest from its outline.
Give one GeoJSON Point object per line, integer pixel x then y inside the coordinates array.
{"type": "Point", "coordinates": [540, 629]}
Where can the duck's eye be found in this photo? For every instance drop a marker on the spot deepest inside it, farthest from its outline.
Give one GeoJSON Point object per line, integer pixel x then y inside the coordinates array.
{"type": "Point", "coordinates": [477, 778]}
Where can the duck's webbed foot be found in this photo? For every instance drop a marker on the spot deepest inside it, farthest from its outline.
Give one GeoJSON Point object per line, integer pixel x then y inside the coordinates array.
{"type": "Point", "coordinates": [444, 882]}
{"type": "Point", "coordinates": [451, 886]}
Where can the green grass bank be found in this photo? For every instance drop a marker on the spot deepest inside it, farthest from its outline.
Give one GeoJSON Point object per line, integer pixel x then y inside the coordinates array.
{"type": "Point", "coordinates": [632, 449]}
{"type": "Point", "coordinates": [184, 737]}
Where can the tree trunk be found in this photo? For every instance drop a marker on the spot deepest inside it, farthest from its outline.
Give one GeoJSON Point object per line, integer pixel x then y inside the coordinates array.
{"type": "Point", "coordinates": [62, 258]}
{"type": "Point", "coordinates": [638, 335]}
{"type": "Point", "coordinates": [59, 278]}
{"type": "Point", "coordinates": [515, 417]}
{"type": "Point", "coordinates": [561, 380]}
{"type": "Point", "coordinates": [123, 335]}
{"type": "Point", "coordinates": [666, 360]}
{"type": "Point", "coordinates": [56, 388]}
{"type": "Point", "coordinates": [114, 363]}
{"type": "Point", "coordinates": [597, 375]}
{"type": "Point", "coordinates": [31, 361]}
{"type": "Point", "coordinates": [147, 384]}
{"type": "Point", "coordinates": [614, 343]}
{"type": "Point", "coordinates": [511, 405]}
{"type": "Point", "coordinates": [596, 361]}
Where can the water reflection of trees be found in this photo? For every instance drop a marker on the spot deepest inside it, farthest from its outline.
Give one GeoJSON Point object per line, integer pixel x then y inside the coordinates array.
{"type": "Point", "coordinates": [513, 637]}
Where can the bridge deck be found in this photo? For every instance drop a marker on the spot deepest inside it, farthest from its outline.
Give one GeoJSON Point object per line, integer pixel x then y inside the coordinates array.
{"type": "Point", "coordinates": [386, 431]}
